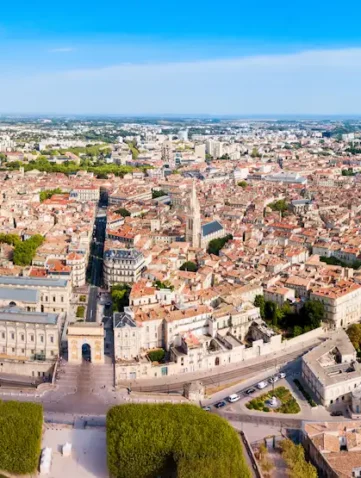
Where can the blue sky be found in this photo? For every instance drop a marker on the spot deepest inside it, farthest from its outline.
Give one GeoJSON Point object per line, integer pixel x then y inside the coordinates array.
{"type": "Point", "coordinates": [196, 57]}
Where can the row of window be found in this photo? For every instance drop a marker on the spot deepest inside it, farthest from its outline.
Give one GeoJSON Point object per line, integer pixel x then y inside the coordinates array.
{"type": "Point", "coordinates": [31, 337]}
{"type": "Point", "coordinates": [46, 298]}
{"type": "Point", "coordinates": [22, 351]}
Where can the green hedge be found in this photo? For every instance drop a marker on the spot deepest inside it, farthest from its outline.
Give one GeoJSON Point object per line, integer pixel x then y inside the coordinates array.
{"type": "Point", "coordinates": [156, 355]}
{"type": "Point", "coordinates": [20, 436]}
{"type": "Point", "coordinates": [80, 311]}
{"type": "Point", "coordinates": [151, 440]}
{"type": "Point", "coordinates": [288, 402]}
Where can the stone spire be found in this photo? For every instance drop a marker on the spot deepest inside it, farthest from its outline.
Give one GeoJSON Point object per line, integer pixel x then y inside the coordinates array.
{"type": "Point", "coordinates": [193, 226]}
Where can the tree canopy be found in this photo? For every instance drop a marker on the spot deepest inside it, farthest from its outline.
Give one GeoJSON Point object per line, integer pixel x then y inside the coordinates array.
{"type": "Point", "coordinates": [123, 212]}
{"type": "Point", "coordinates": [48, 193]}
{"type": "Point", "coordinates": [11, 239]}
{"type": "Point", "coordinates": [294, 456]}
{"type": "Point", "coordinates": [163, 284]}
{"type": "Point", "coordinates": [20, 436]}
{"type": "Point", "coordinates": [156, 355]}
{"type": "Point", "coordinates": [158, 193]}
{"type": "Point", "coordinates": [69, 167]}
{"type": "Point", "coordinates": [133, 148]}
{"type": "Point", "coordinates": [151, 440]}
{"type": "Point", "coordinates": [242, 184]}
{"type": "Point", "coordinates": [255, 153]}
{"type": "Point", "coordinates": [287, 319]}
{"type": "Point", "coordinates": [354, 334]}
{"type": "Point", "coordinates": [189, 266]}
{"type": "Point", "coordinates": [334, 261]}
{"type": "Point", "coordinates": [313, 313]}
{"type": "Point", "coordinates": [280, 205]}
{"type": "Point", "coordinates": [120, 296]}
{"type": "Point", "coordinates": [215, 245]}
{"type": "Point", "coordinates": [25, 251]}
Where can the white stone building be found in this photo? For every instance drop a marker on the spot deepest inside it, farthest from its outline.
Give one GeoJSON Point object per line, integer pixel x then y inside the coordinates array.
{"type": "Point", "coordinates": [36, 294]}
{"type": "Point", "coordinates": [28, 335]}
{"type": "Point", "coordinates": [342, 302]}
{"type": "Point", "coordinates": [85, 194]}
{"type": "Point", "coordinates": [122, 266]}
{"type": "Point", "coordinates": [331, 371]}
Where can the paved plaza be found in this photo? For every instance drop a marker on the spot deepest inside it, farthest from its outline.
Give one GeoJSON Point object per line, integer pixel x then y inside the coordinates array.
{"type": "Point", "coordinates": [88, 456]}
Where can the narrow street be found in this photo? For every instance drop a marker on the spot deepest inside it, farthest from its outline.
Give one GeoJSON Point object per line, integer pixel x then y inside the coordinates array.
{"type": "Point", "coordinates": [96, 268]}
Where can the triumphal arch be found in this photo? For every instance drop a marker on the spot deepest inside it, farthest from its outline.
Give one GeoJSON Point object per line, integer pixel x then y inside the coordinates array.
{"type": "Point", "coordinates": [86, 342]}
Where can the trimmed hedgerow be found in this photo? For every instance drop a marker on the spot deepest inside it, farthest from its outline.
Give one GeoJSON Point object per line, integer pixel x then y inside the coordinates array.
{"type": "Point", "coordinates": [20, 436]}
{"type": "Point", "coordinates": [150, 440]}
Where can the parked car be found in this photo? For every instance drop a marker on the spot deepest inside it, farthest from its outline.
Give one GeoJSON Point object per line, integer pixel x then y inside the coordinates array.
{"type": "Point", "coordinates": [281, 375]}
{"type": "Point", "coordinates": [262, 384]}
{"type": "Point", "coordinates": [233, 398]}
{"type": "Point", "coordinates": [337, 413]}
{"type": "Point", "coordinates": [273, 379]}
{"type": "Point", "coordinates": [206, 409]}
{"type": "Point", "coordinates": [250, 391]}
{"type": "Point", "coordinates": [220, 404]}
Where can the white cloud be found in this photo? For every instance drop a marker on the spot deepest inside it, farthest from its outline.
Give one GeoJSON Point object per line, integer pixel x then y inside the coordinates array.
{"type": "Point", "coordinates": [309, 82]}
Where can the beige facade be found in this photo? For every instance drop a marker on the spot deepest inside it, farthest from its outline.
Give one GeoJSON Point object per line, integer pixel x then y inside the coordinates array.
{"type": "Point", "coordinates": [28, 335]}
{"type": "Point", "coordinates": [41, 294]}
{"type": "Point", "coordinates": [342, 303]}
{"type": "Point", "coordinates": [122, 266]}
{"type": "Point", "coordinates": [86, 333]}
{"type": "Point", "coordinates": [37, 369]}
{"type": "Point", "coordinates": [78, 263]}
{"type": "Point", "coordinates": [188, 333]}
{"type": "Point", "coordinates": [85, 194]}
{"type": "Point", "coordinates": [331, 370]}
{"type": "Point", "coordinates": [201, 358]}
{"type": "Point", "coordinates": [279, 295]}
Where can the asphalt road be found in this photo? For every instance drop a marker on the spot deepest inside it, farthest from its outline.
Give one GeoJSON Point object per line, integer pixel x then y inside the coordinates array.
{"type": "Point", "coordinates": [97, 250]}
{"type": "Point", "coordinates": [292, 369]}
{"type": "Point", "coordinates": [91, 315]}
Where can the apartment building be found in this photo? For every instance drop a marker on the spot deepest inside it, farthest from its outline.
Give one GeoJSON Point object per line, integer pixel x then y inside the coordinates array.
{"type": "Point", "coordinates": [78, 264]}
{"type": "Point", "coordinates": [85, 194]}
{"type": "Point", "coordinates": [214, 148]}
{"type": "Point", "coordinates": [342, 302]}
{"type": "Point", "coordinates": [122, 266]}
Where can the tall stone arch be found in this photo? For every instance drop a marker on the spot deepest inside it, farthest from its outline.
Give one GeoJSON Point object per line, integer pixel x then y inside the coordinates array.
{"type": "Point", "coordinates": [91, 334]}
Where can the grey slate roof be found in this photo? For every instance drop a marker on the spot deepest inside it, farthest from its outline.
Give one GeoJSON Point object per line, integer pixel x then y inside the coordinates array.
{"type": "Point", "coordinates": [15, 314]}
{"type": "Point", "coordinates": [121, 319]}
{"type": "Point", "coordinates": [32, 281]}
{"type": "Point", "coordinates": [211, 227]}
{"type": "Point", "coordinates": [23, 295]}
{"type": "Point", "coordinates": [131, 254]}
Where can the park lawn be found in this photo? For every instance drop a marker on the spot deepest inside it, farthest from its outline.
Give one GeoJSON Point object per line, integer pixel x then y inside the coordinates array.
{"type": "Point", "coordinates": [288, 402]}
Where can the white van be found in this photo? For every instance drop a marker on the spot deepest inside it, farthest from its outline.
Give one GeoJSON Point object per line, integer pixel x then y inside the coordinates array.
{"type": "Point", "coordinates": [261, 385]}
{"type": "Point", "coordinates": [233, 398]}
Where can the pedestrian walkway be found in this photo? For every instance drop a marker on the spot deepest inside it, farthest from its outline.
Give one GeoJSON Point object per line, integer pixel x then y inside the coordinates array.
{"type": "Point", "coordinates": [84, 379]}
